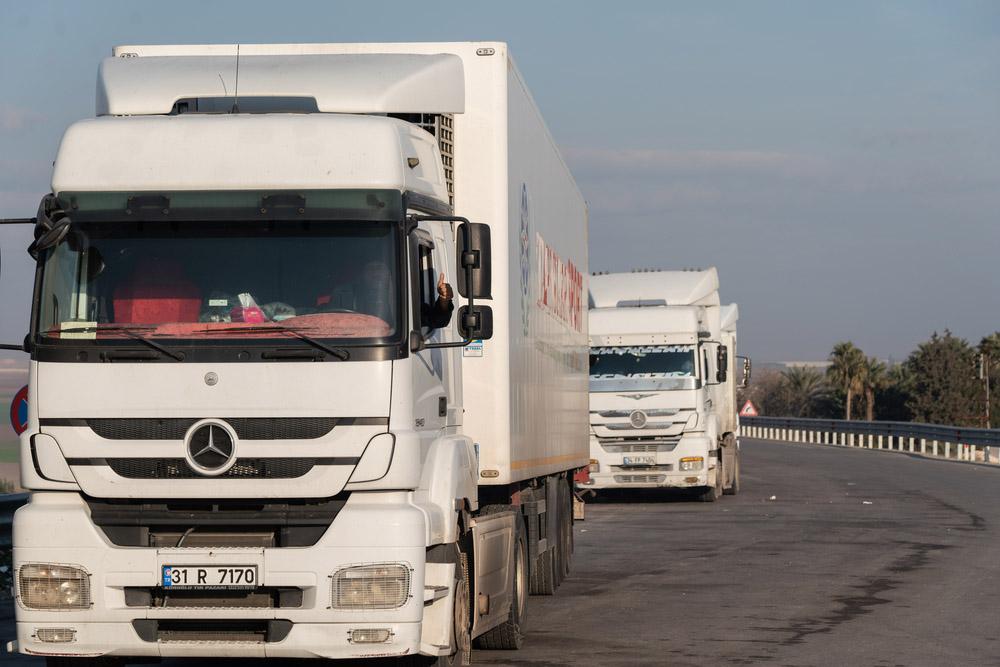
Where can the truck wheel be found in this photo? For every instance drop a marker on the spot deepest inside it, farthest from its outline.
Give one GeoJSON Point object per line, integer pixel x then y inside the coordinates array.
{"type": "Point", "coordinates": [734, 487]}
{"type": "Point", "coordinates": [565, 529]}
{"type": "Point", "coordinates": [710, 494]}
{"type": "Point", "coordinates": [543, 579]}
{"type": "Point", "coordinates": [509, 635]}
{"type": "Point", "coordinates": [461, 623]}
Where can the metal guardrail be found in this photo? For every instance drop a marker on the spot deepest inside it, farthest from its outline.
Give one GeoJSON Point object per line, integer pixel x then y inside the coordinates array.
{"type": "Point", "coordinates": [8, 505]}
{"type": "Point", "coordinates": [952, 442]}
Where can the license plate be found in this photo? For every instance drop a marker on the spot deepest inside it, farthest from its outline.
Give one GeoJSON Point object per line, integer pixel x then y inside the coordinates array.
{"type": "Point", "coordinates": [209, 576]}
{"type": "Point", "coordinates": [639, 460]}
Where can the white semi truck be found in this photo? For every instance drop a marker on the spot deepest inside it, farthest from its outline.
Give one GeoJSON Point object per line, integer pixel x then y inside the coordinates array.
{"type": "Point", "coordinates": [663, 383]}
{"type": "Point", "coordinates": [259, 425]}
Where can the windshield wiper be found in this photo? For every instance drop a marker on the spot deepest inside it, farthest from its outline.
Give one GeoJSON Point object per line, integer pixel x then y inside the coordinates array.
{"type": "Point", "coordinates": [338, 352]}
{"type": "Point", "coordinates": [129, 332]}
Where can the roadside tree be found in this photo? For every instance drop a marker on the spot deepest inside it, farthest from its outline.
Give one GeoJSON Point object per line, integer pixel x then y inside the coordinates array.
{"type": "Point", "coordinates": [944, 387]}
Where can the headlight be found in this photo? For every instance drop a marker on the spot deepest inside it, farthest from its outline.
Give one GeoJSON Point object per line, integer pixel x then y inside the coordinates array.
{"type": "Point", "coordinates": [45, 586]}
{"type": "Point", "coordinates": [692, 463]}
{"type": "Point", "coordinates": [385, 586]}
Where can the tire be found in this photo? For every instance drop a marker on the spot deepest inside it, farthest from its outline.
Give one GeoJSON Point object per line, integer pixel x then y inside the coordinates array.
{"type": "Point", "coordinates": [710, 494]}
{"type": "Point", "coordinates": [543, 576]}
{"type": "Point", "coordinates": [565, 529]}
{"type": "Point", "coordinates": [461, 624]}
{"type": "Point", "coordinates": [509, 635]}
{"type": "Point", "coordinates": [734, 488]}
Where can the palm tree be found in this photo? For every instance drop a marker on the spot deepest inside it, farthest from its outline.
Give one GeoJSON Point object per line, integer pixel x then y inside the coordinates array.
{"type": "Point", "coordinates": [846, 370]}
{"type": "Point", "coordinates": [873, 378]}
{"type": "Point", "coordinates": [805, 387]}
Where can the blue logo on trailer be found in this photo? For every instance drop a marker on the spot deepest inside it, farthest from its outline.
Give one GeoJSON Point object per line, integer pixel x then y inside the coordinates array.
{"type": "Point", "coordinates": [19, 411]}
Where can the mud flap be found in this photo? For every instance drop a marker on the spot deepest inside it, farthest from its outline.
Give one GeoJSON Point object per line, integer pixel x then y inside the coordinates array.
{"type": "Point", "coordinates": [492, 560]}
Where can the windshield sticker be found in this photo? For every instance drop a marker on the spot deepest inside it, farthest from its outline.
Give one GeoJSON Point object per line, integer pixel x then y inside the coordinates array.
{"type": "Point", "coordinates": [78, 330]}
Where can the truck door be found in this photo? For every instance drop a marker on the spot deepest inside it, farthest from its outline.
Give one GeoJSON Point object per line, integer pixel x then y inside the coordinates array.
{"type": "Point", "coordinates": [434, 374]}
{"type": "Point", "coordinates": [444, 259]}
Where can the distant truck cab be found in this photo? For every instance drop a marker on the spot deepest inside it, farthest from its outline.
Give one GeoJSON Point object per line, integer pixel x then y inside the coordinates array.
{"type": "Point", "coordinates": [663, 383]}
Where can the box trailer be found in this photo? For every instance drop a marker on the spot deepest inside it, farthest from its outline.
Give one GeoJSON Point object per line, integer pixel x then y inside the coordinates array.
{"type": "Point", "coordinates": [308, 359]}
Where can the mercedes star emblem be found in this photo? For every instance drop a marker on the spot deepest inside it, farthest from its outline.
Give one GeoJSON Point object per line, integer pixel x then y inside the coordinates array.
{"type": "Point", "coordinates": [637, 419]}
{"type": "Point", "coordinates": [210, 447]}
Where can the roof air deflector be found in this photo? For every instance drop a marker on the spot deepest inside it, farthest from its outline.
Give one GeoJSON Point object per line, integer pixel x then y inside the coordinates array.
{"type": "Point", "coordinates": [339, 83]}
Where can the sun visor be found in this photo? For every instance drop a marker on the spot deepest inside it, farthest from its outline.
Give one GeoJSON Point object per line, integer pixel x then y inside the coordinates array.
{"type": "Point", "coordinates": [356, 83]}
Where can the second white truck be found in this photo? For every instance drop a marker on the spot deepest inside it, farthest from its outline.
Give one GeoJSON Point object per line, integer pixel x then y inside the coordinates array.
{"type": "Point", "coordinates": [663, 383]}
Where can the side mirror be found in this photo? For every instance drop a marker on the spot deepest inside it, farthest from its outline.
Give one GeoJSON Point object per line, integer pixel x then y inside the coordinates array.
{"type": "Point", "coordinates": [747, 367]}
{"type": "Point", "coordinates": [22, 347]}
{"type": "Point", "coordinates": [474, 251]}
{"type": "Point", "coordinates": [722, 364]}
{"type": "Point", "coordinates": [26, 345]}
{"type": "Point", "coordinates": [476, 322]}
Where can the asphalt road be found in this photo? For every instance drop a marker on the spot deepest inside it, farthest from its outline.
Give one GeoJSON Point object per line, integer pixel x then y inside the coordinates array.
{"type": "Point", "coordinates": [828, 556]}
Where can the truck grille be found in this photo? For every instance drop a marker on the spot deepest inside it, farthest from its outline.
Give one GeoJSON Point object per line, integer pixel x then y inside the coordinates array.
{"type": "Point", "coordinates": [255, 428]}
{"type": "Point", "coordinates": [243, 469]}
{"type": "Point", "coordinates": [638, 445]}
{"type": "Point", "coordinates": [208, 523]}
{"type": "Point", "coordinates": [212, 631]}
{"type": "Point", "coordinates": [640, 479]}
{"type": "Point", "coordinates": [259, 598]}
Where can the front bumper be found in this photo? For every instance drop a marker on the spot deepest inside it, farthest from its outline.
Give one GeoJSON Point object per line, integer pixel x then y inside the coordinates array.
{"type": "Point", "coordinates": [664, 472]}
{"type": "Point", "coordinates": [371, 528]}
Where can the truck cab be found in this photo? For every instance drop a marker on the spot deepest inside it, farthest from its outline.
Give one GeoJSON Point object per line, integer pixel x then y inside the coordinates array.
{"type": "Point", "coordinates": [662, 387]}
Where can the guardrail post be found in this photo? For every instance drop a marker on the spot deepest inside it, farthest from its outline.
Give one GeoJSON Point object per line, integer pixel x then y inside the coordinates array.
{"type": "Point", "coordinates": [947, 450]}
{"type": "Point", "coordinates": [912, 442]}
{"type": "Point", "coordinates": [880, 442]}
{"type": "Point", "coordinates": [871, 441]}
{"type": "Point", "coordinates": [923, 445]}
{"type": "Point", "coordinates": [934, 447]}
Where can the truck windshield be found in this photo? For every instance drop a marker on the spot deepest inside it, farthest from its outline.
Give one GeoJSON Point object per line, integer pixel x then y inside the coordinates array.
{"type": "Point", "coordinates": [198, 281]}
{"type": "Point", "coordinates": [621, 368]}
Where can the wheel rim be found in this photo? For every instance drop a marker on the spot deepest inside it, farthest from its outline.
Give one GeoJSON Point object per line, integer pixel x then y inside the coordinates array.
{"type": "Point", "coordinates": [520, 581]}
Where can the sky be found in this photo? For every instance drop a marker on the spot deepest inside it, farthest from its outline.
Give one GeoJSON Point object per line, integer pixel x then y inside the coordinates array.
{"type": "Point", "coordinates": [838, 162]}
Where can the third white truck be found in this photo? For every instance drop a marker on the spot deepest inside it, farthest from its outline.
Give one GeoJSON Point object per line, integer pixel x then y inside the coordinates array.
{"type": "Point", "coordinates": [663, 383]}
